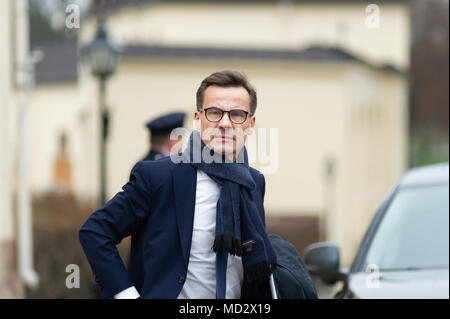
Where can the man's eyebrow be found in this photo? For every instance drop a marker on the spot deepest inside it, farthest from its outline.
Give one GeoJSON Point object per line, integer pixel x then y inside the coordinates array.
{"type": "Point", "coordinates": [217, 107]}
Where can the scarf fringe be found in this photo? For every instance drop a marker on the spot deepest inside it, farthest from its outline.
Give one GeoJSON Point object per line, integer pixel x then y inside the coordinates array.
{"type": "Point", "coordinates": [230, 244]}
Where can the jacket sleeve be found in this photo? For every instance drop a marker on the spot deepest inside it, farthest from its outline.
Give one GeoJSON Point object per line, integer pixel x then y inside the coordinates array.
{"type": "Point", "coordinates": [106, 228]}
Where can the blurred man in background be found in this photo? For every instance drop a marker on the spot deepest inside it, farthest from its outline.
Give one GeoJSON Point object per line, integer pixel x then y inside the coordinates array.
{"type": "Point", "coordinates": [160, 128]}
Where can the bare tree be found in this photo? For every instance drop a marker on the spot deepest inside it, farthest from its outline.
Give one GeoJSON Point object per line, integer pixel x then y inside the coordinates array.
{"type": "Point", "coordinates": [429, 81]}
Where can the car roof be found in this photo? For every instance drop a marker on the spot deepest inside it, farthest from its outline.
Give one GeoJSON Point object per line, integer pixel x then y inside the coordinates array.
{"type": "Point", "coordinates": [430, 174]}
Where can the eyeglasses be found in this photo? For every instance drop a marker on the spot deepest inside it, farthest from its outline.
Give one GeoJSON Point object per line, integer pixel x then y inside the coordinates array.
{"type": "Point", "coordinates": [214, 114]}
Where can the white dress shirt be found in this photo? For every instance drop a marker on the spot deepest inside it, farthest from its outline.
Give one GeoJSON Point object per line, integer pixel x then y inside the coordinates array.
{"type": "Point", "coordinates": [201, 274]}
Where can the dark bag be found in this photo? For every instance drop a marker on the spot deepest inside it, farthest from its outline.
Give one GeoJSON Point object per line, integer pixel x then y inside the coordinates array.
{"type": "Point", "coordinates": [292, 280]}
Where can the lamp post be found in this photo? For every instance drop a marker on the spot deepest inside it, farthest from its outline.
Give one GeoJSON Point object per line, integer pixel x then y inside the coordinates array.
{"type": "Point", "coordinates": [103, 56]}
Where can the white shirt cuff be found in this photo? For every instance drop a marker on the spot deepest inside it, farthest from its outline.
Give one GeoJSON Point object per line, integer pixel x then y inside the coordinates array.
{"type": "Point", "coordinates": [129, 293]}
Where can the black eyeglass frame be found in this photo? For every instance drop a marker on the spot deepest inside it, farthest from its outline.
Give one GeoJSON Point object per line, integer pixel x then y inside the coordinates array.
{"type": "Point", "coordinates": [223, 113]}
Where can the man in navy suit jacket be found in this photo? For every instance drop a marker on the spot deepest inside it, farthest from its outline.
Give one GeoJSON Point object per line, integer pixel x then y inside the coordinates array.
{"type": "Point", "coordinates": [170, 249]}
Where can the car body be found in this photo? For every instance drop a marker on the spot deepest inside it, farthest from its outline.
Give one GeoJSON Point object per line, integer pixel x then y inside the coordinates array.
{"type": "Point", "coordinates": [405, 251]}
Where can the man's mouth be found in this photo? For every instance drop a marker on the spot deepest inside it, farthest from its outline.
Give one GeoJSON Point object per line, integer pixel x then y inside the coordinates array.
{"type": "Point", "coordinates": [226, 138]}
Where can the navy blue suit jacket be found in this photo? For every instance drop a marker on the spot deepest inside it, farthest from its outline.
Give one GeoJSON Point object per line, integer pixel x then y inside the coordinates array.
{"type": "Point", "coordinates": [156, 207]}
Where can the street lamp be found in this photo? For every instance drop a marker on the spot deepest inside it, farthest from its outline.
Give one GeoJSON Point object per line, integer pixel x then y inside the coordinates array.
{"type": "Point", "coordinates": [103, 56]}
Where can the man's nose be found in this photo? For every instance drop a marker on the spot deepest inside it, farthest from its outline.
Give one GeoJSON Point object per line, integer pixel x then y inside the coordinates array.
{"type": "Point", "coordinates": [225, 121]}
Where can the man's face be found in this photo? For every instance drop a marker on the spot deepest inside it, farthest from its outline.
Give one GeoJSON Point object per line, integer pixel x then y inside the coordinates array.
{"type": "Point", "coordinates": [224, 136]}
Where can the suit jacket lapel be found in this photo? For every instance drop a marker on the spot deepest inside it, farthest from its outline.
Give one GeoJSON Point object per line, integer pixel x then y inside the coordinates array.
{"type": "Point", "coordinates": [184, 186]}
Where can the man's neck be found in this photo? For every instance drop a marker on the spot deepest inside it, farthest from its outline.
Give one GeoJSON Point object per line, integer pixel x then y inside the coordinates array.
{"type": "Point", "coordinates": [163, 149]}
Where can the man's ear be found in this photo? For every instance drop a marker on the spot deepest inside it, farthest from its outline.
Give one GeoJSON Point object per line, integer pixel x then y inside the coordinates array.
{"type": "Point", "coordinates": [252, 122]}
{"type": "Point", "coordinates": [197, 121]}
{"type": "Point", "coordinates": [252, 125]}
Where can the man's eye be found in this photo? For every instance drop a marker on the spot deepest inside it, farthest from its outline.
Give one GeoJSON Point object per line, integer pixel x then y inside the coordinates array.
{"type": "Point", "coordinates": [237, 114]}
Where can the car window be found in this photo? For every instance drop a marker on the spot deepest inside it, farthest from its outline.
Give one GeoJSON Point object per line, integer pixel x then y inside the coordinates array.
{"type": "Point", "coordinates": [414, 232]}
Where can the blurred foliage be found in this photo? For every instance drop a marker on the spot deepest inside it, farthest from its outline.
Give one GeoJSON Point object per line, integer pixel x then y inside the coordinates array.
{"type": "Point", "coordinates": [57, 220]}
{"type": "Point", "coordinates": [429, 120]}
{"type": "Point", "coordinates": [429, 148]}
